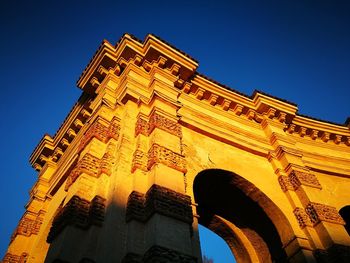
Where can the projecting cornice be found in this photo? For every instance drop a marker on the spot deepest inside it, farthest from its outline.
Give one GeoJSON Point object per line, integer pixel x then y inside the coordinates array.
{"type": "Point", "coordinates": [109, 58]}
{"type": "Point", "coordinates": [140, 70]}
{"type": "Point", "coordinates": [51, 148]}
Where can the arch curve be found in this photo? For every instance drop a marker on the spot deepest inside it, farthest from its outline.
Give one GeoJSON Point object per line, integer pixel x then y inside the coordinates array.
{"type": "Point", "coordinates": [246, 218]}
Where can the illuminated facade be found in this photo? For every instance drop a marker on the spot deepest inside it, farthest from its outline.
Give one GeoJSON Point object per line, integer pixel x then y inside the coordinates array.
{"type": "Point", "coordinates": [152, 149]}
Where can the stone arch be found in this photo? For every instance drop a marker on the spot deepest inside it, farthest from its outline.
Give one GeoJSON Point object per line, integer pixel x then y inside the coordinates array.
{"type": "Point", "coordinates": [345, 214]}
{"type": "Point", "coordinates": [249, 221]}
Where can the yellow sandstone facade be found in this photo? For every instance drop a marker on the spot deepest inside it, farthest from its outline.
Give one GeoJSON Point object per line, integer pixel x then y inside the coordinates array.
{"type": "Point", "coordinates": [152, 149]}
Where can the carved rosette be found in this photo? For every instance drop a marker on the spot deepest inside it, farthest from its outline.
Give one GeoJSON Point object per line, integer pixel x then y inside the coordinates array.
{"type": "Point", "coordinates": [297, 178]}
{"type": "Point", "coordinates": [159, 200]}
{"type": "Point", "coordinates": [29, 225]}
{"type": "Point", "coordinates": [101, 132]}
{"type": "Point", "coordinates": [80, 213]}
{"type": "Point", "coordinates": [156, 120]}
{"type": "Point", "coordinates": [159, 154]}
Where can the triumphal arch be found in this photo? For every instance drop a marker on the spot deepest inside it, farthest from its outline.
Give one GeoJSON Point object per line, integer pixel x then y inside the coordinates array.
{"type": "Point", "coordinates": [152, 148]}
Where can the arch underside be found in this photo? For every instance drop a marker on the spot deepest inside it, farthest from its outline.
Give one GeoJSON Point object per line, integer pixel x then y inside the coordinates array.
{"type": "Point", "coordinates": [251, 224]}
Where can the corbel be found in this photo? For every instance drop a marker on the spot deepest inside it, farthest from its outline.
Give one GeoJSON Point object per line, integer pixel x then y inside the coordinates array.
{"type": "Point", "coordinates": [302, 131]}
{"type": "Point", "coordinates": [325, 136]}
{"type": "Point", "coordinates": [175, 69]}
{"type": "Point", "coordinates": [314, 134]}
{"type": "Point", "coordinates": [282, 117]}
{"type": "Point", "coordinates": [271, 113]}
{"type": "Point", "coordinates": [250, 114]}
{"type": "Point", "coordinates": [226, 104]}
{"type": "Point", "coordinates": [137, 60]}
{"type": "Point", "coordinates": [213, 99]}
{"type": "Point", "coordinates": [161, 61]}
{"type": "Point", "coordinates": [78, 123]}
{"type": "Point", "coordinates": [291, 128]}
{"type": "Point", "coordinates": [199, 93]}
{"type": "Point", "coordinates": [94, 82]}
{"type": "Point", "coordinates": [187, 87]}
{"type": "Point", "coordinates": [238, 109]}
{"type": "Point", "coordinates": [337, 139]}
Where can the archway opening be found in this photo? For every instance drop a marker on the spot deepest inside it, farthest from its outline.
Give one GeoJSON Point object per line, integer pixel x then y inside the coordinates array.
{"type": "Point", "coordinates": [241, 214]}
{"type": "Point", "coordinates": [214, 247]}
{"type": "Point", "coordinates": [345, 214]}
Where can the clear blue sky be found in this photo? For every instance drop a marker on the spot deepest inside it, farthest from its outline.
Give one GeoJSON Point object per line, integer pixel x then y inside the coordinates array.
{"type": "Point", "coordinates": [297, 50]}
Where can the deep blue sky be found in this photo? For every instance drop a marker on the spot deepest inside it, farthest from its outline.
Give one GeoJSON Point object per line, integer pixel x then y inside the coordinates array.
{"type": "Point", "coordinates": [296, 50]}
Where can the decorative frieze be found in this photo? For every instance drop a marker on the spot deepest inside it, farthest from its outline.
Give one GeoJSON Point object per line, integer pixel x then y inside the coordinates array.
{"type": "Point", "coordinates": [11, 258]}
{"type": "Point", "coordinates": [159, 200]}
{"type": "Point", "coordinates": [80, 213]}
{"type": "Point", "coordinates": [166, 255]}
{"type": "Point", "coordinates": [159, 154]}
{"type": "Point", "coordinates": [101, 132]}
{"type": "Point", "coordinates": [157, 120]}
{"type": "Point", "coordinates": [297, 178]}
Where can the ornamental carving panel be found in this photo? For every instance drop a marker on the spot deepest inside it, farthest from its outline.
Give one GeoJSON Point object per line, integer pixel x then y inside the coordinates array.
{"type": "Point", "coordinates": [11, 258]}
{"type": "Point", "coordinates": [302, 178]}
{"type": "Point", "coordinates": [160, 154]}
{"type": "Point", "coordinates": [320, 212]}
{"type": "Point", "coordinates": [285, 183]}
{"type": "Point", "coordinates": [93, 166]}
{"type": "Point", "coordinates": [296, 178]}
{"type": "Point", "coordinates": [107, 161]}
{"type": "Point", "coordinates": [101, 132]}
{"type": "Point", "coordinates": [29, 225]}
{"type": "Point", "coordinates": [141, 126]}
{"type": "Point", "coordinates": [302, 217]}
{"type": "Point", "coordinates": [139, 161]}
{"type": "Point", "coordinates": [80, 213]}
{"type": "Point", "coordinates": [159, 200]}
{"type": "Point", "coordinates": [157, 120]}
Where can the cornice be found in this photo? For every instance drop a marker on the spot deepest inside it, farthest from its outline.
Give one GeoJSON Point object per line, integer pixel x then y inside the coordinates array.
{"type": "Point", "coordinates": [148, 51]}
{"type": "Point", "coordinates": [166, 72]}
{"type": "Point", "coordinates": [51, 148]}
{"type": "Point", "coordinates": [316, 129]}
